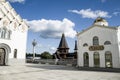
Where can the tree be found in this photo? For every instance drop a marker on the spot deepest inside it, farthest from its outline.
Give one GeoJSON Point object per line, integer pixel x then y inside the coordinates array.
{"type": "Point", "coordinates": [46, 55]}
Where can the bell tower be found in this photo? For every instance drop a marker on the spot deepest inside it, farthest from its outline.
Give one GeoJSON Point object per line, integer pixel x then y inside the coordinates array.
{"type": "Point", "coordinates": [63, 47]}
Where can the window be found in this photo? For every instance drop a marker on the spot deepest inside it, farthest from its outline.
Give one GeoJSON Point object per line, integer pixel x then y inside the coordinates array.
{"type": "Point", "coordinates": [107, 43]}
{"type": "Point", "coordinates": [95, 40]}
{"type": "Point", "coordinates": [85, 44]}
{"type": "Point", "coordinates": [0, 29]}
{"type": "Point", "coordinates": [15, 53]}
{"type": "Point", "coordinates": [108, 59]}
{"type": "Point", "coordinates": [0, 32]}
{"type": "Point", "coordinates": [5, 33]}
{"type": "Point", "coordinates": [9, 34]}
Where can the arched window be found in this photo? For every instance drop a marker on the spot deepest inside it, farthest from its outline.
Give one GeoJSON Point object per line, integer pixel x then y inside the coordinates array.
{"type": "Point", "coordinates": [107, 43]}
{"type": "Point", "coordinates": [85, 44]}
{"type": "Point", "coordinates": [96, 59]}
{"type": "Point", "coordinates": [0, 32]}
{"type": "Point", "coordinates": [86, 59]}
{"type": "Point", "coordinates": [15, 53]}
{"type": "Point", "coordinates": [9, 34]}
{"type": "Point", "coordinates": [3, 33]}
{"type": "Point", "coordinates": [95, 40]}
{"type": "Point", "coordinates": [108, 59]}
{"type": "Point", "coordinates": [0, 29]}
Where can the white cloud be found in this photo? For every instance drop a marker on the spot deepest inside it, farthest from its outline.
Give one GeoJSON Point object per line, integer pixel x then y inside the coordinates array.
{"type": "Point", "coordinates": [52, 49]}
{"type": "Point", "coordinates": [116, 13]}
{"type": "Point", "coordinates": [53, 28]}
{"type": "Point", "coordinates": [39, 45]}
{"type": "Point", "coordinates": [88, 13]}
{"type": "Point", "coordinates": [20, 1]}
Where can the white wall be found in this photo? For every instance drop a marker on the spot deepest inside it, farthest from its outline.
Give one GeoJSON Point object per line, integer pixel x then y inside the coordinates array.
{"type": "Point", "coordinates": [118, 34]}
{"type": "Point", "coordinates": [19, 32]}
{"type": "Point", "coordinates": [17, 41]}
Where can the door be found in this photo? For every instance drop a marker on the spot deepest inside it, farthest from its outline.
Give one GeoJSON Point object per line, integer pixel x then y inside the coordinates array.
{"type": "Point", "coordinates": [2, 56]}
{"type": "Point", "coordinates": [96, 59]}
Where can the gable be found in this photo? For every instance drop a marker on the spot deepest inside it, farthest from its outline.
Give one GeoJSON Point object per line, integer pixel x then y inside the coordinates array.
{"type": "Point", "coordinates": [10, 19]}
{"type": "Point", "coordinates": [97, 26]}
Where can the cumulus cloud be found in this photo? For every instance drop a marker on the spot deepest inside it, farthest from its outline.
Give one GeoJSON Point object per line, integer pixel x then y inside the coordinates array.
{"type": "Point", "coordinates": [53, 28]}
{"type": "Point", "coordinates": [20, 1]}
{"type": "Point", "coordinates": [88, 13]}
{"type": "Point", "coordinates": [52, 49]}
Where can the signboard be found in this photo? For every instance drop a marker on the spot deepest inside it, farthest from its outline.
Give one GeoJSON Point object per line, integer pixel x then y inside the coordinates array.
{"type": "Point", "coordinates": [98, 47]}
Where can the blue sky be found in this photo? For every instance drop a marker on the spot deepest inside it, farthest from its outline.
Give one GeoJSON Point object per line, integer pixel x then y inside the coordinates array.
{"type": "Point", "coordinates": [48, 19]}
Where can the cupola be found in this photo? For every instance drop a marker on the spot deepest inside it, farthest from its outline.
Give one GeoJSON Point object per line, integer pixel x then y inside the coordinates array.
{"type": "Point", "coordinates": [100, 21]}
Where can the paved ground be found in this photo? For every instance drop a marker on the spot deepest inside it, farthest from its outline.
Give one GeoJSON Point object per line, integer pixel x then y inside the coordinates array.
{"type": "Point", "coordinates": [52, 72]}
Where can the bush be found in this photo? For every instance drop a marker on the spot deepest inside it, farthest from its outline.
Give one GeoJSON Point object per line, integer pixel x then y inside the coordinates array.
{"type": "Point", "coordinates": [46, 55]}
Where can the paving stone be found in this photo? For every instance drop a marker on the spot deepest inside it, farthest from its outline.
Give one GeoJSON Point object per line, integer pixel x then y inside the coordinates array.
{"type": "Point", "coordinates": [52, 72]}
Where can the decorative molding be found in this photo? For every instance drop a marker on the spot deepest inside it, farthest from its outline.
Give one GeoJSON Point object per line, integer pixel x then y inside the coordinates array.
{"type": "Point", "coordinates": [96, 47]}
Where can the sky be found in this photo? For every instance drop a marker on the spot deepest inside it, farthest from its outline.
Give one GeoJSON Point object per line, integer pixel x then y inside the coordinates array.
{"type": "Point", "coordinates": [48, 19]}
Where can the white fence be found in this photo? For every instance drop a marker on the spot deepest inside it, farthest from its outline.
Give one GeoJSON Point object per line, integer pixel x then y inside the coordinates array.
{"type": "Point", "coordinates": [72, 62]}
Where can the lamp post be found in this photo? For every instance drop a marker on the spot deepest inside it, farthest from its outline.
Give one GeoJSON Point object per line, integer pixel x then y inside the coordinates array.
{"type": "Point", "coordinates": [34, 43]}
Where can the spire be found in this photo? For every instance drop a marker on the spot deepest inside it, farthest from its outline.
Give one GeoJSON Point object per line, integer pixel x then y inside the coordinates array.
{"type": "Point", "coordinates": [63, 42]}
{"type": "Point", "coordinates": [75, 45]}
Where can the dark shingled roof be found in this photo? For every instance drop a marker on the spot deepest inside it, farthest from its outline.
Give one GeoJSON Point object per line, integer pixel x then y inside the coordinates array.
{"type": "Point", "coordinates": [63, 42]}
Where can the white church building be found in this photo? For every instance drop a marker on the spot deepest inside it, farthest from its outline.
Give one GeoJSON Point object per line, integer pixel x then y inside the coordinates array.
{"type": "Point", "coordinates": [13, 34]}
{"type": "Point", "coordinates": [99, 45]}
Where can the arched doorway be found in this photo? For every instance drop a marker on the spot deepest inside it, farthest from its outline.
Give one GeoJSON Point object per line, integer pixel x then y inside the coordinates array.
{"type": "Point", "coordinates": [86, 59]}
{"type": "Point", "coordinates": [4, 53]}
{"type": "Point", "coordinates": [96, 59]}
{"type": "Point", "coordinates": [108, 59]}
{"type": "Point", "coordinates": [2, 56]}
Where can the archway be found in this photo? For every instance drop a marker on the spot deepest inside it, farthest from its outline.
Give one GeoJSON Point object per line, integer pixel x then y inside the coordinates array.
{"type": "Point", "coordinates": [4, 53]}
{"type": "Point", "coordinates": [2, 56]}
{"type": "Point", "coordinates": [86, 59]}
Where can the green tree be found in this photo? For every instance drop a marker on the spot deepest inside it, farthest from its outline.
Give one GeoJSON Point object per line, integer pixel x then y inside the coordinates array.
{"type": "Point", "coordinates": [46, 55]}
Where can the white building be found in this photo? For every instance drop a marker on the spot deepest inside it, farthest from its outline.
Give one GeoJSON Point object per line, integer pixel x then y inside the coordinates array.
{"type": "Point", "coordinates": [13, 34]}
{"type": "Point", "coordinates": [99, 45]}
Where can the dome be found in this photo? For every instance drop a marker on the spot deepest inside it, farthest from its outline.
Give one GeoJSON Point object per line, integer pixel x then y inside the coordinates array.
{"type": "Point", "coordinates": [100, 21]}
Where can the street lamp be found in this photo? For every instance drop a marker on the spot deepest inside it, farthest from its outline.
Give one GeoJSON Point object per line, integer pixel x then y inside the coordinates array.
{"type": "Point", "coordinates": [34, 43]}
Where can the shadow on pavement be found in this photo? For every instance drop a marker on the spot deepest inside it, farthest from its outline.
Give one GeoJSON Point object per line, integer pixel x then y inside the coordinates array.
{"type": "Point", "coordinates": [112, 70]}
